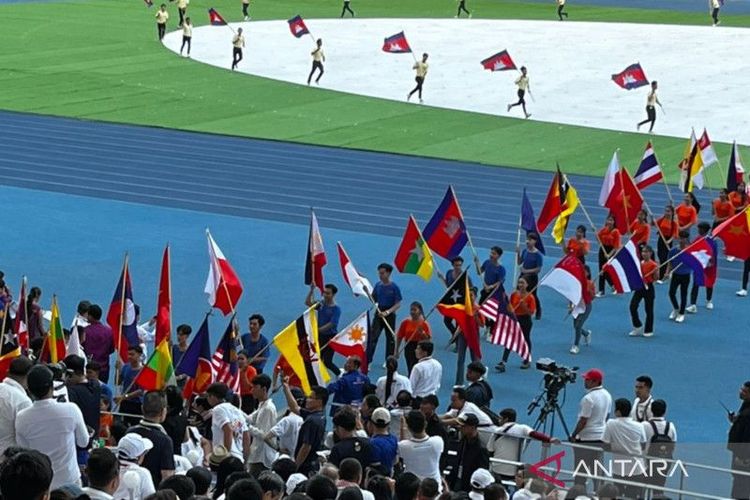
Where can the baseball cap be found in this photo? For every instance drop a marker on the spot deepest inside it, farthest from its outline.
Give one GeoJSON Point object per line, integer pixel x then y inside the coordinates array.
{"type": "Point", "coordinates": [594, 374]}
{"type": "Point", "coordinates": [481, 478]}
{"type": "Point", "coordinates": [132, 446]}
{"type": "Point", "coordinates": [380, 417]}
{"type": "Point", "coordinates": [469, 419]}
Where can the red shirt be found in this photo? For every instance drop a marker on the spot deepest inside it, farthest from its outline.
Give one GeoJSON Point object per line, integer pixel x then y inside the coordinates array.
{"type": "Point", "coordinates": [648, 268]}
{"type": "Point", "coordinates": [736, 199]}
{"type": "Point", "coordinates": [522, 305]}
{"type": "Point", "coordinates": [686, 215]}
{"type": "Point", "coordinates": [414, 331]}
{"type": "Point", "coordinates": [667, 228]}
{"type": "Point", "coordinates": [609, 237]}
{"type": "Point", "coordinates": [641, 232]}
{"type": "Point", "coordinates": [723, 209]}
{"type": "Point", "coordinates": [579, 248]}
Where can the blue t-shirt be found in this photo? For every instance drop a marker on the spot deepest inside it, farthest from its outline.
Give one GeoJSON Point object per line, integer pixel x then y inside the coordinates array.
{"type": "Point", "coordinates": [127, 375]}
{"type": "Point", "coordinates": [384, 450]}
{"type": "Point", "coordinates": [493, 273]}
{"type": "Point", "coordinates": [677, 266]}
{"type": "Point", "coordinates": [451, 276]}
{"type": "Point", "coordinates": [329, 314]}
{"type": "Point", "coordinates": [386, 295]}
{"type": "Point", "coordinates": [254, 348]}
{"type": "Point", "coordinates": [530, 260]}
{"type": "Point", "coordinates": [348, 389]}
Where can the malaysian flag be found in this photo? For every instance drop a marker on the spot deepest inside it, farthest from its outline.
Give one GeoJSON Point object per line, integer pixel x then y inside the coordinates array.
{"type": "Point", "coordinates": [224, 360]}
{"type": "Point", "coordinates": [507, 332]}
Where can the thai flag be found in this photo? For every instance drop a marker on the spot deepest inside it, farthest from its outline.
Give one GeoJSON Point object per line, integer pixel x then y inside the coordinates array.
{"type": "Point", "coordinates": [631, 77]}
{"type": "Point", "coordinates": [499, 62]}
{"type": "Point", "coordinates": [297, 27]}
{"type": "Point", "coordinates": [215, 18]}
{"type": "Point", "coordinates": [396, 44]}
{"type": "Point", "coordinates": [625, 269]}
{"type": "Point", "coordinates": [649, 172]}
{"type": "Point", "coordinates": [697, 256]}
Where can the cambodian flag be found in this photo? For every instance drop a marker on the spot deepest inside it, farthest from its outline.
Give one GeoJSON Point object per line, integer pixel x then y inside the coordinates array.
{"type": "Point", "coordinates": [649, 171]}
{"type": "Point", "coordinates": [631, 77]}
{"type": "Point", "coordinates": [697, 256]}
{"type": "Point", "coordinates": [297, 27]}
{"type": "Point", "coordinates": [446, 233]}
{"type": "Point", "coordinates": [396, 44]}
{"type": "Point", "coordinates": [215, 18]}
{"type": "Point", "coordinates": [499, 62]}
{"type": "Point", "coordinates": [625, 269]}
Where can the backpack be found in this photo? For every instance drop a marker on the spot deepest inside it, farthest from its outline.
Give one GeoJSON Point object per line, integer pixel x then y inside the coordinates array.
{"type": "Point", "coordinates": [661, 445]}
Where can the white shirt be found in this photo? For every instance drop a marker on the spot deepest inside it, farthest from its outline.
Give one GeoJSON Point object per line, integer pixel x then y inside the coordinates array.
{"type": "Point", "coordinates": [660, 424]}
{"type": "Point", "coordinates": [226, 413]}
{"type": "Point", "coordinates": [471, 408]}
{"type": "Point", "coordinates": [422, 456]}
{"type": "Point", "coordinates": [366, 495]}
{"type": "Point", "coordinates": [287, 430]}
{"type": "Point", "coordinates": [54, 429]}
{"type": "Point", "coordinates": [400, 383]}
{"type": "Point", "coordinates": [95, 494]}
{"type": "Point", "coordinates": [395, 426]}
{"type": "Point", "coordinates": [145, 489]}
{"type": "Point", "coordinates": [425, 377]}
{"type": "Point", "coordinates": [641, 410]}
{"type": "Point", "coordinates": [626, 437]}
{"type": "Point", "coordinates": [595, 406]}
{"type": "Point", "coordinates": [13, 399]}
{"type": "Point", "coordinates": [259, 423]}
{"type": "Point", "coordinates": [507, 446]}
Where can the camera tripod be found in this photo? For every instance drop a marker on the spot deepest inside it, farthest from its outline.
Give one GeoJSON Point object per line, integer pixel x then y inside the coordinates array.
{"type": "Point", "coordinates": [550, 407]}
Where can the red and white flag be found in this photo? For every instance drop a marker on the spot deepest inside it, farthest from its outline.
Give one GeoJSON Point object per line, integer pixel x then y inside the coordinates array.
{"type": "Point", "coordinates": [358, 283]}
{"type": "Point", "coordinates": [21, 325]}
{"type": "Point", "coordinates": [708, 154]}
{"type": "Point", "coordinates": [352, 340]}
{"type": "Point", "coordinates": [508, 332]}
{"type": "Point", "coordinates": [316, 256]}
{"type": "Point", "coordinates": [164, 302]}
{"type": "Point", "coordinates": [568, 278]}
{"type": "Point", "coordinates": [222, 285]}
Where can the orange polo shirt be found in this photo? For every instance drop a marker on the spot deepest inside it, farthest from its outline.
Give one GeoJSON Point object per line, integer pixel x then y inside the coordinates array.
{"type": "Point", "coordinates": [641, 232]}
{"type": "Point", "coordinates": [578, 248]}
{"type": "Point", "coordinates": [522, 305]}
{"type": "Point", "coordinates": [723, 209]}
{"type": "Point", "coordinates": [648, 268]}
{"type": "Point", "coordinates": [414, 331]}
{"type": "Point", "coordinates": [609, 237]}
{"type": "Point", "coordinates": [668, 228]}
{"type": "Point", "coordinates": [686, 214]}
{"type": "Point", "coordinates": [735, 199]}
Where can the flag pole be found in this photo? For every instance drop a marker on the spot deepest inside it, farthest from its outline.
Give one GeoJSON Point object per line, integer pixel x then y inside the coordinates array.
{"type": "Point", "coordinates": [468, 236]}
{"type": "Point", "coordinates": [257, 355]}
{"type": "Point", "coordinates": [586, 214]}
{"type": "Point", "coordinates": [663, 177]}
{"type": "Point", "coordinates": [309, 249]}
{"type": "Point", "coordinates": [5, 320]}
{"type": "Point", "coordinates": [24, 286]}
{"type": "Point", "coordinates": [124, 276]}
{"type": "Point", "coordinates": [518, 250]}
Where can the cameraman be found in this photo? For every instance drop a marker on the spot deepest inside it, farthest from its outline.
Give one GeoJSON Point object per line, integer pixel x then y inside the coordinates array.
{"type": "Point", "coordinates": [593, 412]}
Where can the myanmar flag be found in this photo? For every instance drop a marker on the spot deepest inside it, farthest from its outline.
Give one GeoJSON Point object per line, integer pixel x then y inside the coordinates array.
{"type": "Point", "coordinates": [158, 372]}
{"type": "Point", "coordinates": [414, 256]}
{"type": "Point", "coordinates": [54, 345]}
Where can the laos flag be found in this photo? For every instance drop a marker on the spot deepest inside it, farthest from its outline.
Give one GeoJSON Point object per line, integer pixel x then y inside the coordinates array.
{"type": "Point", "coordinates": [396, 44]}
{"type": "Point", "coordinates": [297, 27]}
{"type": "Point", "coordinates": [631, 77]}
{"type": "Point", "coordinates": [499, 62]}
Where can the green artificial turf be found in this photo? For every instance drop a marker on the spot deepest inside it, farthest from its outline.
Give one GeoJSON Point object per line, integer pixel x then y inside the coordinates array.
{"type": "Point", "coordinates": [100, 60]}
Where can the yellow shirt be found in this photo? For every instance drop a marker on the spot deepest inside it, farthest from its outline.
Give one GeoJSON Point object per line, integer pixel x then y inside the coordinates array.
{"type": "Point", "coordinates": [523, 82]}
{"type": "Point", "coordinates": [560, 2]}
{"type": "Point", "coordinates": [421, 68]}
{"type": "Point", "coordinates": [238, 41]}
{"type": "Point", "coordinates": [161, 16]}
{"type": "Point", "coordinates": [715, 4]}
{"type": "Point", "coordinates": [187, 30]}
{"type": "Point", "coordinates": [318, 55]}
{"type": "Point", "coordinates": [182, 4]}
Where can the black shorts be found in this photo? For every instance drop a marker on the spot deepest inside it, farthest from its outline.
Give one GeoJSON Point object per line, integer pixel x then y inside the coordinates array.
{"type": "Point", "coordinates": [651, 113]}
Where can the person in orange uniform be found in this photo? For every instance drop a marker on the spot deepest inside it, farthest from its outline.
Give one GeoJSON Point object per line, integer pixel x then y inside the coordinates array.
{"type": "Point", "coordinates": [247, 374]}
{"type": "Point", "coordinates": [687, 214]}
{"type": "Point", "coordinates": [578, 321]}
{"type": "Point", "coordinates": [523, 305]}
{"type": "Point", "coordinates": [738, 198]}
{"type": "Point", "coordinates": [649, 269]}
{"type": "Point", "coordinates": [412, 331]}
{"type": "Point", "coordinates": [609, 239]}
{"type": "Point", "coordinates": [668, 229]}
{"type": "Point", "coordinates": [722, 208]}
{"type": "Point", "coordinates": [578, 245]}
{"type": "Point", "coordinates": [640, 229]}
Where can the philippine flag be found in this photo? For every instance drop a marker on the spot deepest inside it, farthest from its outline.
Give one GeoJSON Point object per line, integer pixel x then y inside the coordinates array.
{"type": "Point", "coordinates": [215, 18]}
{"type": "Point", "coordinates": [631, 77]}
{"type": "Point", "coordinates": [625, 269]}
{"type": "Point", "coordinates": [649, 171]}
{"type": "Point", "coordinates": [297, 27]}
{"type": "Point", "coordinates": [499, 62]}
{"type": "Point", "coordinates": [396, 44]}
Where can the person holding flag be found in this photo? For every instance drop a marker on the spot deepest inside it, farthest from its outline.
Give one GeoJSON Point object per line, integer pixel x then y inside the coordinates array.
{"type": "Point", "coordinates": [739, 198]}
{"type": "Point", "coordinates": [651, 101]}
{"type": "Point", "coordinates": [329, 315]}
{"type": "Point", "coordinates": [318, 59]}
{"type": "Point", "coordinates": [411, 332]}
{"type": "Point", "coordinates": [387, 297]}
{"type": "Point", "coordinates": [245, 7]}
{"type": "Point", "coordinates": [462, 7]}
{"type": "Point", "coordinates": [238, 43]}
{"type": "Point", "coordinates": [421, 68]}
{"type": "Point", "coordinates": [578, 245]}
{"type": "Point", "coordinates": [710, 272]}
{"type": "Point", "coordinates": [687, 213]}
{"type": "Point", "coordinates": [530, 260]}
{"type": "Point", "coordinates": [679, 278]}
{"type": "Point", "coordinates": [580, 320]}
{"type": "Point", "coordinates": [162, 16]}
{"type": "Point", "coordinates": [187, 35]}
{"type": "Point", "coordinates": [721, 208]}
{"type": "Point", "coordinates": [522, 82]}
{"type": "Point", "coordinates": [346, 8]}
{"type": "Point", "coordinates": [560, 7]}
{"type": "Point", "coordinates": [450, 276]}
{"type": "Point", "coordinates": [523, 305]}
{"type": "Point", "coordinates": [493, 277]}
{"type": "Point", "coordinates": [640, 229]}
{"type": "Point", "coordinates": [715, 6]}
{"type": "Point", "coordinates": [668, 229]}
{"type": "Point", "coordinates": [609, 239]}
{"type": "Point", "coordinates": [645, 294]}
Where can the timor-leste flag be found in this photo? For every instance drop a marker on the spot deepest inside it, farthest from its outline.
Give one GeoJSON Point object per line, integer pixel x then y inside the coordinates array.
{"type": "Point", "coordinates": [735, 233]}
{"type": "Point", "coordinates": [457, 305]}
{"type": "Point", "coordinates": [414, 256]}
{"type": "Point", "coordinates": [446, 232]}
{"type": "Point", "coordinates": [298, 344]}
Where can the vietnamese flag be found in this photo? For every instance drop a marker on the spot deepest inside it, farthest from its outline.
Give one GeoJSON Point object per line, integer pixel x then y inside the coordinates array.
{"type": "Point", "coordinates": [164, 302]}
{"type": "Point", "coordinates": [446, 232]}
{"type": "Point", "coordinates": [414, 256]}
{"type": "Point", "coordinates": [222, 284]}
{"type": "Point", "coordinates": [499, 62]}
{"type": "Point", "coordinates": [624, 201]}
{"type": "Point", "coordinates": [735, 233]}
{"type": "Point", "coordinates": [396, 44]}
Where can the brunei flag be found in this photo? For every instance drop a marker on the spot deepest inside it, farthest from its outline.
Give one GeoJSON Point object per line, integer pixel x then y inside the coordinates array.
{"type": "Point", "coordinates": [158, 372]}
{"type": "Point", "coordinates": [54, 344]}
{"type": "Point", "coordinates": [456, 304]}
{"type": "Point", "coordinates": [414, 256]}
{"type": "Point", "coordinates": [298, 344]}
{"type": "Point", "coordinates": [569, 206]}
{"type": "Point", "coordinates": [691, 174]}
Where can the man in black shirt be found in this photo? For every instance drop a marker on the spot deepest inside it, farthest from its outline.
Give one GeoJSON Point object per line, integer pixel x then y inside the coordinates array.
{"type": "Point", "coordinates": [435, 427]}
{"type": "Point", "coordinates": [479, 391]}
{"type": "Point", "coordinates": [86, 395]}
{"type": "Point", "coordinates": [312, 432]}
{"type": "Point", "coordinates": [349, 445]}
{"type": "Point", "coordinates": [160, 459]}
{"type": "Point", "coordinates": [472, 455]}
{"type": "Point", "coordinates": [739, 444]}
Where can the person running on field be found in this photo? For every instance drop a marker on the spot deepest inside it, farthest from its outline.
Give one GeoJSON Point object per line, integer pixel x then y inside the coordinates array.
{"type": "Point", "coordinates": [238, 43]}
{"type": "Point", "coordinates": [560, 7]}
{"type": "Point", "coordinates": [715, 6]}
{"type": "Point", "coordinates": [187, 35]}
{"type": "Point", "coordinates": [162, 16]}
{"type": "Point", "coordinates": [421, 68]}
{"type": "Point", "coordinates": [319, 58]}
{"type": "Point", "coordinates": [651, 101]}
{"type": "Point", "coordinates": [523, 86]}
{"type": "Point", "coordinates": [245, 7]}
{"type": "Point", "coordinates": [462, 7]}
{"type": "Point", "coordinates": [346, 8]}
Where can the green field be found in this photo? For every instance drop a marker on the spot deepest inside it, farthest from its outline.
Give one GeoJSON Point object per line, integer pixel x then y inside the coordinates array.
{"type": "Point", "coordinates": [100, 60]}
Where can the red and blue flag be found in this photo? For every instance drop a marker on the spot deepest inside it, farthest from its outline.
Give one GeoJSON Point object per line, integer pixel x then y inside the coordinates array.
{"type": "Point", "coordinates": [499, 62]}
{"type": "Point", "coordinates": [649, 171]}
{"type": "Point", "coordinates": [196, 362]}
{"type": "Point", "coordinates": [121, 315]}
{"type": "Point", "coordinates": [446, 232]}
{"type": "Point", "coordinates": [224, 360]}
{"type": "Point", "coordinates": [528, 221]}
{"type": "Point", "coordinates": [698, 256]}
{"type": "Point", "coordinates": [625, 269]}
{"type": "Point", "coordinates": [297, 27]}
{"type": "Point", "coordinates": [215, 18]}
{"type": "Point", "coordinates": [396, 44]}
{"type": "Point", "coordinates": [631, 77]}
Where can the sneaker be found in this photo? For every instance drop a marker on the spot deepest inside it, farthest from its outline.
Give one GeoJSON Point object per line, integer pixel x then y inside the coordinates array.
{"type": "Point", "coordinates": [673, 314]}
{"type": "Point", "coordinates": [636, 331]}
{"type": "Point", "coordinates": [509, 106]}
{"type": "Point", "coordinates": [408, 97]}
{"type": "Point", "coordinates": [528, 115]}
{"type": "Point", "coordinates": [500, 367]}
{"type": "Point", "coordinates": [730, 258]}
{"type": "Point", "coordinates": [692, 309]}
{"type": "Point", "coordinates": [574, 350]}
{"type": "Point", "coordinates": [638, 127]}
{"type": "Point", "coordinates": [741, 293]}
{"type": "Point", "coordinates": [680, 318]}
{"type": "Point", "coordinates": [421, 101]}
{"type": "Point", "coordinates": [709, 305]}
{"type": "Point", "coordinates": [659, 282]}
{"type": "Point", "coordinates": [587, 337]}
{"type": "Point", "coordinates": [648, 334]}
{"type": "Point", "coordinates": [599, 294]}
{"type": "Point", "coordinates": [247, 17]}
{"type": "Point", "coordinates": [525, 365]}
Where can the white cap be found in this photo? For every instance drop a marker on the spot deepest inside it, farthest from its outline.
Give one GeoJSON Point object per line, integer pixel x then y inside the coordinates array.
{"type": "Point", "coordinates": [380, 416]}
{"type": "Point", "coordinates": [481, 478]}
{"type": "Point", "coordinates": [293, 481]}
{"type": "Point", "coordinates": [132, 446]}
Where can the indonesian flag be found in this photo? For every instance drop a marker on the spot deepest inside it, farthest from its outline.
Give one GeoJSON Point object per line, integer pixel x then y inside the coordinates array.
{"type": "Point", "coordinates": [297, 27]}
{"type": "Point", "coordinates": [352, 340]}
{"type": "Point", "coordinates": [21, 324]}
{"type": "Point", "coordinates": [631, 77]}
{"type": "Point", "coordinates": [222, 285]}
{"type": "Point", "coordinates": [358, 283]}
{"type": "Point", "coordinates": [499, 62]}
{"type": "Point", "coordinates": [396, 44]}
{"type": "Point", "coordinates": [568, 278]}
{"type": "Point", "coordinates": [164, 302]}
{"type": "Point", "coordinates": [215, 18]}
{"type": "Point", "coordinates": [316, 256]}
